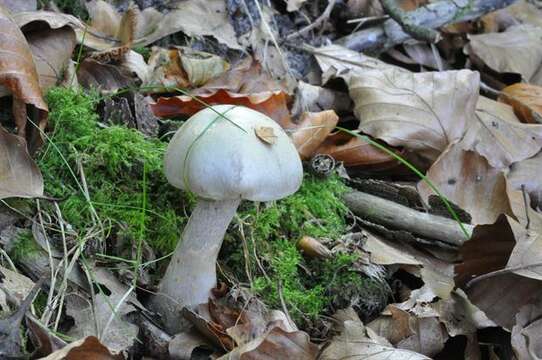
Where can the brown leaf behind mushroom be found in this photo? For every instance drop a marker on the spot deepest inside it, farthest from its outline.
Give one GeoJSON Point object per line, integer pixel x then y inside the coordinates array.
{"type": "Point", "coordinates": [311, 131]}
{"type": "Point", "coordinates": [526, 100]}
{"type": "Point", "coordinates": [18, 73]}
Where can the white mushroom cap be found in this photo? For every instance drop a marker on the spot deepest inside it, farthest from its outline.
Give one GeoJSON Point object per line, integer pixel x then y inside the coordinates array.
{"type": "Point", "coordinates": [224, 159]}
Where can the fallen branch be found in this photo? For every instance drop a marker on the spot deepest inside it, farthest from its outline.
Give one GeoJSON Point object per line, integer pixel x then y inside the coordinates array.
{"type": "Point", "coordinates": [431, 16]}
{"type": "Point", "coordinates": [393, 215]}
{"type": "Point", "coordinates": [401, 17]}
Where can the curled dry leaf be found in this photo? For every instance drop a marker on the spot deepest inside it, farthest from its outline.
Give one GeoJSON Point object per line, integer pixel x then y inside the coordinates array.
{"type": "Point", "coordinates": [183, 67]}
{"type": "Point", "coordinates": [501, 296]}
{"type": "Point", "coordinates": [527, 332]}
{"type": "Point", "coordinates": [468, 180]}
{"type": "Point", "coordinates": [355, 152]}
{"type": "Point", "coordinates": [423, 112]}
{"type": "Point", "coordinates": [495, 133]}
{"type": "Point", "coordinates": [246, 84]}
{"type": "Point", "coordinates": [311, 131]}
{"type": "Point", "coordinates": [18, 74]}
{"type": "Point", "coordinates": [88, 348]}
{"type": "Point", "coordinates": [357, 342]}
{"type": "Point", "coordinates": [424, 335]}
{"type": "Point", "coordinates": [20, 177]}
{"type": "Point", "coordinates": [525, 174]}
{"type": "Point", "coordinates": [517, 50]}
{"type": "Point", "coordinates": [526, 100]}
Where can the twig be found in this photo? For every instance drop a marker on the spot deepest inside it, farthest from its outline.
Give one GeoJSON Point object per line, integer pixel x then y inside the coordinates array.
{"type": "Point", "coordinates": [321, 19]}
{"type": "Point", "coordinates": [415, 31]}
{"type": "Point", "coordinates": [433, 15]}
{"type": "Point", "coordinates": [283, 304]}
{"type": "Point", "coordinates": [500, 272]}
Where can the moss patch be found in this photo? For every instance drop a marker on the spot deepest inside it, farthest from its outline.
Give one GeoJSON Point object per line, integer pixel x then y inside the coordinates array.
{"type": "Point", "coordinates": [115, 160]}
{"type": "Point", "coordinates": [24, 246]}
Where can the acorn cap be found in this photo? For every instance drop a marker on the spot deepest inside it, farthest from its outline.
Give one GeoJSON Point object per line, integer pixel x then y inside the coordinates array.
{"type": "Point", "coordinates": [247, 155]}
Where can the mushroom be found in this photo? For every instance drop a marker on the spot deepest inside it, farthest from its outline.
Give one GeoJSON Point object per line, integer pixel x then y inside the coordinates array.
{"type": "Point", "coordinates": [223, 154]}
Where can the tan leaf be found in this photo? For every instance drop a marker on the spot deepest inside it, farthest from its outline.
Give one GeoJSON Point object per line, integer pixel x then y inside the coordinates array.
{"type": "Point", "coordinates": [354, 151]}
{"type": "Point", "coordinates": [468, 180]}
{"type": "Point", "coordinates": [527, 254]}
{"type": "Point", "coordinates": [517, 50]}
{"type": "Point", "coordinates": [15, 6]}
{"type": "Point", "coordinates": [311, 131]}
{"type": "Point", "coordinates": [19, 175]}
{"type": "Point", "coordinates": [496, 132]}
{"type": "Point", "coordinates": [266, 134]}
{"type": "Point", "coordinates": [500, 296]}
{"type": "Point", "coordinates": [356, 343]}
{"type": "Point", "coordinates": [51, 50]}
{"type": "Point", "coordinates": [103, 17]}
{"type": "Point", "coordinates": [525, 12]}
{"type": "Point", "coordinates": [339, 61]}
{"type": "Point", "coordinates": [526, 174]}
{"type": "Point", "coordinates": [527, 332]}
{"type": "Point", "coordinates": [294, 5]}
{"type": "Point", "coordinates": [88, 348]}
{"type": "Point", "coordinates": [423, 112]}
{"type": "Point", "coordinates": [18, 74]}
{"type": "Point", "coordinates": [525, 99]}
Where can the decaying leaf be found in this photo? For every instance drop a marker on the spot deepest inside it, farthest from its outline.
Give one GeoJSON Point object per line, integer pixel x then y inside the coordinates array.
{"type": "Point", "coordinates": [14, 287]}
{"type": "Point", "coordinates": [19, 175]}
{"type": "Point", "coordinates": [106, 309]}
{"type": "Point", "coordinates": [266, 134]}
{"type": "Point", "coordinates": [311, 131]}
{"type": "Point", "coordinates": [526, 257]}
{"type": "Point", "coordinates": [246, 84]}
{"type": "Point", "coordinates": [357, 342]}
{"type": "Point", "coordinates": [525, 174]}
{"type": "Point", "coordinates": [183, 345]}
{"type": "Point", "coordinates": [354, 151]}
{"type": "Point", "coordinates": [495, 133]}
{"type": "Point", "coordinates": [87, 348]}
{"type": "Point", "coordinates": [468, 180]}
{"type": "Point", "coordinates": [423, 112]}
{"type": "Point", "coordinates": [527, 332]}
{"type": "Point", "coordinates": [526, 100]}
{"type": "Point", "coordinates": [18, 74]}
{"type": "Point", "coordinates": [51, 50]}
{"type": "Point", "coordinates": [424, 334]}
{"type": "Point", "coordinates": [182, 67]}
{"type": "Point", "coordinates": [195, 18]}
{"type": "Point", "coordinates": [517, 50]}
{"type": "Point", "coordinates": [294, 5]}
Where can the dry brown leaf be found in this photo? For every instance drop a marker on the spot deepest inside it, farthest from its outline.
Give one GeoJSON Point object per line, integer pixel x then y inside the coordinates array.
{"type": "Point", "coordinates": [339, 61]}
{"type": "Point", "coordinates": [354, 151]}
{"type": "Point", "coordinates": [423, 112]}
{"type": "Point", "coordinates": [468, 180]}
{"type": "Point", "coordinates": [517, 50]}
{"type": "Point", "coordinates": [525, 99]}
{"type": "Point", "coordinates": [501, 296]}
{"type": "Point", "coordinates": [496, 132]}
{"type": "Point", "coordinates": [266, 134]}
{"type": "Point", "coordinates": [527, 332]}
{"type": "Point", "coordinates": [183, 67]}
{"type": "Point", "coordinates": [356, 342]}
{"type": "Point", "coordinates": [311, 131]}
{"type": "Point", "coordinates": [18, 74]}
{"type": "Point", "coordinates": [311, 98]}
{"type": "Point", "coordinates": [246, 84]}
{"type": "Point", "coordinates": [19, 175]}
{"type": "Point", "coordinates": [403, 330]}
{"type": "Point", "coordinates": [92, 74]}
{"type": "Point", "coordinates": [526, 174]}
{"type": "Point", "coordinates": [88, 348]}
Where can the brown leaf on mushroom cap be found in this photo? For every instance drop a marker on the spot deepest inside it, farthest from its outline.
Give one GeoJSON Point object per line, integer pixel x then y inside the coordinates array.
{"type": "Point", "coordinates": [311, 131]}
{"type": "Point", "coordinates": [18, 74]}
{"type": "Point", "coordinates": [517, 50]}
{"type": "Point", "coordinates": [422, 112]}
{"type": "Point", "coordinates": [526, 100]}
{"type": "Point", "coordinates": [355, 151]}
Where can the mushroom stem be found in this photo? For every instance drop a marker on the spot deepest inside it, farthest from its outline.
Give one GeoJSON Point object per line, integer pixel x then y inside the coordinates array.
{"type": "Point", "coordinates": [191, 273]}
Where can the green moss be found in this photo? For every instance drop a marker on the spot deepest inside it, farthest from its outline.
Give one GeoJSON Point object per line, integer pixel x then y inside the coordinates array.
{"type": "Point", "coordinates": [115, 160]}
{"type": "Point", "coordinates": [24, 247]}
